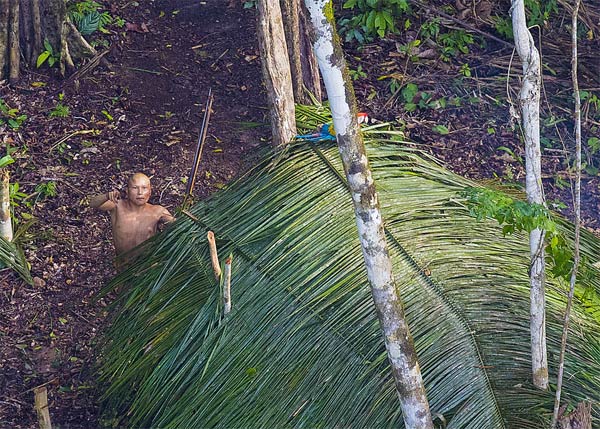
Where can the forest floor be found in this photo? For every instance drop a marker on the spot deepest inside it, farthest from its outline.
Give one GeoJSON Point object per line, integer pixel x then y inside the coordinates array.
{"type": "Point", "coordinates": [144, 114]}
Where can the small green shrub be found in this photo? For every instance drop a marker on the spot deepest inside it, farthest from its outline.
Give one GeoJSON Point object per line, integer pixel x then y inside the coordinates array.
{"type": "Point", "coordinates": [59, 111]}
{"type": "Point", "coordinates": [88, 17]}
{"type": "Point", "coordinates": [48, 55]}
{"type": "Point", "coordinates": [538, 12]}
{"type": "Point", "coordinates": [11, 116]}
{"type": "Point", "coordinates": [372, 18]}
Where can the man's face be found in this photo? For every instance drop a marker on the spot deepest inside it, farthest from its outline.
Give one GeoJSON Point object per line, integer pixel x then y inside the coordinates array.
{"type": "Point", "coordinates": [138, 190]}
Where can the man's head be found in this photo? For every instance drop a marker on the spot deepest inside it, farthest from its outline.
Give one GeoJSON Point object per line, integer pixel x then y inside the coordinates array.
{"type": "Point", "coordinates": [139, 189]}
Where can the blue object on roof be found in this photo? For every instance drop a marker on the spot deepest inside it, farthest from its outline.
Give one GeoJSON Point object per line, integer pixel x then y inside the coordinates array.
{"type": "Point", "coordinates": [323, 134]}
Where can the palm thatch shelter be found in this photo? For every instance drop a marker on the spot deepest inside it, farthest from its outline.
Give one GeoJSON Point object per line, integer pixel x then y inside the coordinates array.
{"type": "Point", "coordinates": [302, 346]}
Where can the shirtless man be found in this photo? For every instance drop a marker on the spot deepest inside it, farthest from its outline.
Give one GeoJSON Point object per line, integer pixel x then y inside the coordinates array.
{"type": "Point", "coordinates": [133, 220]}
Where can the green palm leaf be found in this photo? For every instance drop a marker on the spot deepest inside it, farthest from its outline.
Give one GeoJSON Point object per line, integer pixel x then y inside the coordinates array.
{"type": "Point", "coordinates": [302, 347]}
{"type": "Point", "coordinates": [11, 256]}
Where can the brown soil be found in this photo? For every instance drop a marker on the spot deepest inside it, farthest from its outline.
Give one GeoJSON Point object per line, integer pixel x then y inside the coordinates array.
{"type": "Point", "coordinates": [144, 114]}
{"type": "Point", "coordinates": [155, 96]}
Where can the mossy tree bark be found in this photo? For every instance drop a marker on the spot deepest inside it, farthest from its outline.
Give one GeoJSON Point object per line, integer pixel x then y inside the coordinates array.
{"type": "Point", "coordinates": [26, 24]}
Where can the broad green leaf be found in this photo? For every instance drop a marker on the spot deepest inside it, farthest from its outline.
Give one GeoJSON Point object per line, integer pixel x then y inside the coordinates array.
{"type": "Point", "coordinates": [42, 58]}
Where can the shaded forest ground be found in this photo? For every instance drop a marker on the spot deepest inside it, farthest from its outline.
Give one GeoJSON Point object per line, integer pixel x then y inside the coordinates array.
{"type": "Point", "coordinates": [144, 113]}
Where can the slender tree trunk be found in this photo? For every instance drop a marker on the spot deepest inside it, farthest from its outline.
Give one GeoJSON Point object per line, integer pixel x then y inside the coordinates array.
{"type": "Point", "coordinates": [290, 12]}
{"type": "Point", "coordinates": [303, 64]}
{"type": "Point", "coordinates": [276, 71]}
{"type": "Point", "coordinates": [13, 42]}
{"type": "Point", "coordinates": [310, 68]}
{"type": "Point", "coordinates": [398, 341]}
{"type": "Point", "coordinates": [530, 106]}
{"type": "Point", "coordinates": [4, 27]}
{"type": "Point", "coordinates": [6, 230]}
{"type": "Point", "coordinates": [577, 204]}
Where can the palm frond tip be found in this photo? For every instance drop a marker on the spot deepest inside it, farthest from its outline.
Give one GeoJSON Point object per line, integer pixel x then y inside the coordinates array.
{"type": "Point", "coordinates": [301, 346]}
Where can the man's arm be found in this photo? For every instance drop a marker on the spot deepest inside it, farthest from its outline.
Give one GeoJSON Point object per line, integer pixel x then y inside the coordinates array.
{"type": "Point", "coordinates": [165, 216]}
{"type": "Point", "coordinates": [105, 202]}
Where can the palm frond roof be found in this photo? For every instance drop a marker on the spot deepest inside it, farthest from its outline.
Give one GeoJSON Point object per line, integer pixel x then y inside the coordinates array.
{"type": "Point", "coordinates": [302, 346]}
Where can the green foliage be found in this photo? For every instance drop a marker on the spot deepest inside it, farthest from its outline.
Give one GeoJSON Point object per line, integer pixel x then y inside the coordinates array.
{"type": "Point", "coordinates": [16, 195]}
{"type": "Point", "coordinates": [430, 29]}
{"type": "Point", "coordinates": [302, 346]}
{"type": "Point", "coordinates": [414, 98]}
{"type": "Point", "coordinates": [47, 189]}
{"type": "Point", "coordinates": [357, 74]}
{"type": "Point", "coordinates": [521, 216]}
{"type": "Point", "coordinates": [372, 18]}
{"type": "Point", "coordinates": [88, 17]}
{"type": "Point", "coordinates": [592, 99]}
{"type": "Point", "coordinates": [59, 111]}
{"type": "Point", "coordinates": [454, 43]}
{"type": "Point", "coordinates": [48, 55]}
{"type": "Point", "coordinates": [6, 160]}
{"type": "Point", "coordinates": [11, 116]}
{"type": "Point", "coordinates": [440, 129]}
{"type": "Point", "coordinates": [465, 70]}
{"type": "Point", "coordinates": [536, 11]}
{"type": "Point", "coordinates": [593, 144]}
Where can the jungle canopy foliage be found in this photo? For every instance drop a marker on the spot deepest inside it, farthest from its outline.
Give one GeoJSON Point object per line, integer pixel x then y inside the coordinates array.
{"type": "Point", "coordinates": [302, 346]}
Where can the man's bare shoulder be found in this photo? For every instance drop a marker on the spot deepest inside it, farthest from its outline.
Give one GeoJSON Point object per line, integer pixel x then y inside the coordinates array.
{"type": "Point", "coordinates": [158, 210]}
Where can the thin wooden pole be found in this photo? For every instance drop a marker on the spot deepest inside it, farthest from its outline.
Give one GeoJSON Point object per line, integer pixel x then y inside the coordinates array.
{"type": "Point", "coordinates": [41, 407]}
{"type": "Point", "coordinates": [577, 204]}
{"type": "Point", "coordinates": [212, 245]}
{"type": "Point", "coordinates": [227, 286]}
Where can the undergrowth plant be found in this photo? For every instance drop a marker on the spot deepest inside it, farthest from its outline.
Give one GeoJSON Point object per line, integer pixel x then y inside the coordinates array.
{"type": "Point", "coordinates": [89, 17]}
{"type": "Point", "coordinates": [10, 116]}
{"type": "Point", "coordinates": [372, 18]}
{"type": "Point", "coordinates": [538, 13]}
{"type": "Point", "coordinates": [48, 55]}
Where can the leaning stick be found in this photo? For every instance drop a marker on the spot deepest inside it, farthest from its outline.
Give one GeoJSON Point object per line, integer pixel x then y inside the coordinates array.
{"type": "Point", "coordinates": [41, 407]}
{"type": "Point", "coordinates": [227, 286]}
{"type": "Point", "coordinates": [212, 245]}
{"type": "Point", "coordinates": [198, 156]}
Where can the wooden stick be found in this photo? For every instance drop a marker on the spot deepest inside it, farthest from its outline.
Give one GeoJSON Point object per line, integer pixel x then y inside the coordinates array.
{"type": "Point", "coordinates": [41, 407]}
{"type": "Point", "coordinates": [227, 287]}
{"type": "Point", "coordinates": [212, 245]}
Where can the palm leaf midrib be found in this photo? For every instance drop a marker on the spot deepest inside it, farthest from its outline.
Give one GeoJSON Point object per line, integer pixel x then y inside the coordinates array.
{"type": "Point", "coordinates": [458, 317]}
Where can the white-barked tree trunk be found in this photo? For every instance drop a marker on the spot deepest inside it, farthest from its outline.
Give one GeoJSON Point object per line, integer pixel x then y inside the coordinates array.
{"type": "Point", "coordinates": [6, 230]}
{"type": "Point", "coordinates": [398, 341]}
{"type": "Point", "coordinates": [529, 100]}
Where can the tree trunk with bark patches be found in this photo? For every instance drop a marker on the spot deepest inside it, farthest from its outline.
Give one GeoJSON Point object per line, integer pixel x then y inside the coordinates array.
{"type": "Point", "coordinates": [398, 341]}
{"type": "Point", "coordinates": [25, 24]}
{"type": "Point", "coordinates": [303, 64]}
{"type": "Point", "coordinates": [276, 72]}
{"type": "Point", "coordinates": [530, 109]}
{"type": "Point", "coordinates": [310, 67]}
